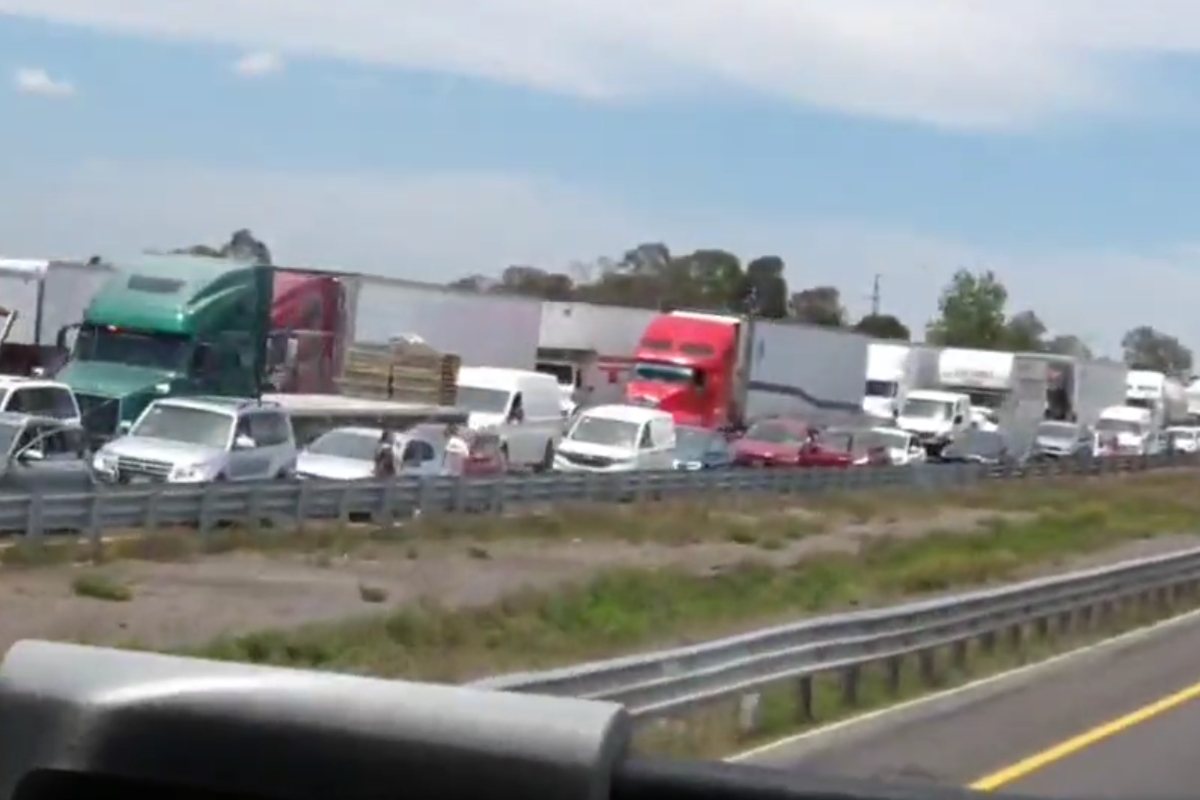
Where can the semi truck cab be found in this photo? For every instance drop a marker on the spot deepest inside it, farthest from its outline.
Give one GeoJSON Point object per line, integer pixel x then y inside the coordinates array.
{"type": "Point", "coordinates": [689, 365]}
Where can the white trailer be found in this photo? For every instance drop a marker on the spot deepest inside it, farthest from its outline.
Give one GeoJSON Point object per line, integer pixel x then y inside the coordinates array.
{"type": "Point", "coordinates": [47, 296]}
{"type": "Point", "coordinates": [482, 329]}
{"type": "Point", "coordinates": [1165, 398]}
{"type": "Point", "coordinates": [805, 369]}
{"type": "Point", "coordinates": [891, 372]}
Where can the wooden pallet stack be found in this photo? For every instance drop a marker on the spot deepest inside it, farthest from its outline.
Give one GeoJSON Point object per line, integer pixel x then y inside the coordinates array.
{"type": "Point", "coordinates": [405, 369]}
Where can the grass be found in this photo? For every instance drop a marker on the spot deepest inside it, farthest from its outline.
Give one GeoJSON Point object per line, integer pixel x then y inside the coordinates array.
{"type": "Point", "coordinates": [99, 586]}
{"type": "Point", "coordinates": [623, 610]}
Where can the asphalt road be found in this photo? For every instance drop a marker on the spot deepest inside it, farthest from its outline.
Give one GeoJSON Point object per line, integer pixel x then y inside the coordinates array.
{"type": "Point", "coordinates": [1123, 725]}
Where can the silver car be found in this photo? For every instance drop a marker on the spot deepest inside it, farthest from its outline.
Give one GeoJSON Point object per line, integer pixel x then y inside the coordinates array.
{"type": "Point", "coordinates": [196, 440]}
{"type": "Point", "coordinates": [346, 454]}
{"type": "Point", "coordinates": [43, 454]}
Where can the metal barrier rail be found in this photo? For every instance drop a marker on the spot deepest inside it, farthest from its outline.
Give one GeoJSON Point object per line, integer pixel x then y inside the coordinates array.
{"type": "Point", "coordinates": [206, 505]}
{"type": "Point", "coordinates": [684, 680]}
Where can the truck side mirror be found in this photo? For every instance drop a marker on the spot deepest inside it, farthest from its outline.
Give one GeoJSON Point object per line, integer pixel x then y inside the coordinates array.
{"type": "Point", "coordinates": [958, 419]}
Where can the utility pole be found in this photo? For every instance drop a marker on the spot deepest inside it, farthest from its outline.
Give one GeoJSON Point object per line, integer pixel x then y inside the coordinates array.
{"type": "Point", "coordinates": [876, 303]}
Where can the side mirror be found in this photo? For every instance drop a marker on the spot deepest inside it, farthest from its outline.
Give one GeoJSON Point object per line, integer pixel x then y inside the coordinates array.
{"type": "Point", "coordinates": [123, 427]}
{"type": "Point", "coordinates": [958, 420]}
{"type": "Point", "coordinates": [31, 455]}
{"type": "Point", "coordinates": [244, 442]}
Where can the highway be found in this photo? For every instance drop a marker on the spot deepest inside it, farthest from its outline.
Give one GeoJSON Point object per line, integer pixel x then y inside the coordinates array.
{"type": "Point", "coordinates": [1124, 724]}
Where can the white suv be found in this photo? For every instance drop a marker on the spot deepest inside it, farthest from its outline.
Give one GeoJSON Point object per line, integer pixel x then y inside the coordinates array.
{"type": "Point", "coordinates": [200, 439]}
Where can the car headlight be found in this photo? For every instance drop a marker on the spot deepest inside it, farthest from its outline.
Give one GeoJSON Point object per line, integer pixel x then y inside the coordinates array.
{"type": "Point", "coordinates": [190, 472]}
{"type": "Point", "coordinates": [104, 462]}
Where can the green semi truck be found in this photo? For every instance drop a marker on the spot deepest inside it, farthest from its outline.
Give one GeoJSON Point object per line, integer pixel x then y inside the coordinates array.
{"type": "Point", "coordinates": [170, 325]}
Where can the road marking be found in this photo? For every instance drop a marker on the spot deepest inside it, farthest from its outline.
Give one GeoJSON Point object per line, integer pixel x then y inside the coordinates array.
{"type": "Point", "coordinates": [1084, 740]}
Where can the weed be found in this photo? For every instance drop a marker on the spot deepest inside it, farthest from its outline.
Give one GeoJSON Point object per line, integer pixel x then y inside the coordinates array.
{"type": "Point", "coordinates": [99, 586]}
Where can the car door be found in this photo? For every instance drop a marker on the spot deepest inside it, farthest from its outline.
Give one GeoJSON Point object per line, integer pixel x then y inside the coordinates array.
{"type": "Point", "coordinates": [50, 457]}
{"type": "Point", "coordinates": [252, 463]}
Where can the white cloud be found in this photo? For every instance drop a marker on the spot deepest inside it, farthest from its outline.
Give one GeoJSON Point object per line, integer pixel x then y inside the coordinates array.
{"type": "Point", "coordinates": [441, 226]}
{"type": "Point", "coordinates": [254, 65]}
{"type": "Point", "coordinates": [30, 80]}
{"type": "Point", "coordinates": [972, 63]}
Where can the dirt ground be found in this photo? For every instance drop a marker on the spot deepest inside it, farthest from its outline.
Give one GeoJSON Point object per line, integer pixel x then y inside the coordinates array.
{"type": "Point", "coordinates": [193, 601]}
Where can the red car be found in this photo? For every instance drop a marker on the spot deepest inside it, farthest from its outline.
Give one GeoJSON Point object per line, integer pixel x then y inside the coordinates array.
{"type": "Point", "coordinates": [485, 458]}
{"type": "Point", "coordinates": [783, 442]}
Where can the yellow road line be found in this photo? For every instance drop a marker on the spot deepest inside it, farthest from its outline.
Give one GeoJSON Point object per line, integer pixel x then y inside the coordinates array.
{"type": "Point", "coordinates": [1086, 739]}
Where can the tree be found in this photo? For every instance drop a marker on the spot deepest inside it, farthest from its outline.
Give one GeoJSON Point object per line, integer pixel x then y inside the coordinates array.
{"type": "Point", "coordinates": [971, 312]}
{"type": "Point", "coordinates": [1149, 349]}
{"type": "Point", "coordinates": [820, 305]}
{"type": "Point", "coordinates": [764, 282]}
{"type": "Point", "coordinates": [1068, 345]}
{"type": "Point", "coordinates": [883, 326]}
{"type": "Point", "coordinates": [1024, 333]}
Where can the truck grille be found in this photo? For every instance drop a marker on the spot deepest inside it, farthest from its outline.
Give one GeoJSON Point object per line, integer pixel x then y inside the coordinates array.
{"type": "Point", "coordinates": [100, 414]}
{"type": "Point", "coordinates": [142, 468]}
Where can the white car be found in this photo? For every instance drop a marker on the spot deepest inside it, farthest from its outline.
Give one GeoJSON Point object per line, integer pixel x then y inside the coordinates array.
{"type": "Point", "coordinates": [618, 438]}
{"type": "Point", "coordinates": [903, 447]}
{"type": "Point", "coordinates": [197, 439]}
{"type": "Point", "coordinates": [347, 454]}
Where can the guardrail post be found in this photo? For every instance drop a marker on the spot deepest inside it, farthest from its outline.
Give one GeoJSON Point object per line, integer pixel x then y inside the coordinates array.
{"type": "Point", "coordinates": [958, 655]}
{"type": "Point", "coordinates": [894, 667]}
{"type": "Point", "coordinates": [850, 682]}
{"type": "Point", "coordinates": [804, 699]}
{"type": "Point", "coordinates": [927, 661]}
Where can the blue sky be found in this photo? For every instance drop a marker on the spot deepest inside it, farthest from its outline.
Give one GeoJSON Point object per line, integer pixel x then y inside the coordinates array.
{"type": "Point", "coordinates": [1053, 141]}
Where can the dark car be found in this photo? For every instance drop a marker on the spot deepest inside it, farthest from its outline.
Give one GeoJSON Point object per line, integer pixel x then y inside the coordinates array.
{"type": "Point", "coordinates": [1054, 440]}
{"type": "Point", "coordinates": [701, 448]}
{"type": "Point", "coordinates": [978, 447]}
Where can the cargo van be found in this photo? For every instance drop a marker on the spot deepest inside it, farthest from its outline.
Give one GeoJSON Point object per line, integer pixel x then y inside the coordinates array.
{"type": "Point", "coordinates": [522, 407]}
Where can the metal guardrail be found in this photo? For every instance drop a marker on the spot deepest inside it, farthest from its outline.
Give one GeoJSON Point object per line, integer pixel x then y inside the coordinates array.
{"type": "Point", "coordinates": [684, 680]}
{"type": "Point", "coordinates": [205, 506]}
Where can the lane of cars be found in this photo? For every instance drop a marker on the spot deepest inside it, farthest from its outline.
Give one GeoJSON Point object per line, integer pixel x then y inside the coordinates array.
{"type": "Point", "coordinates": [195, 440]}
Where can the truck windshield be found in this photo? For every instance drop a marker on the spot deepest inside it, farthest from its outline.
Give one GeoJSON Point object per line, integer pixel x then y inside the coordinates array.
{"type": "Point", "coordinates": [882, 388]}
{"type": "Point", "coordinates": [185, 424]}
{"type": "Point", "coordinates": [135, 348]}
{"type": "Point", "coordinates": [926, 409]}
{"type": "Point", "coordinates": [1140, 402]}
{"type": "Point", "coordinates": [609, 432]}
{"type": "Point", "coordinates": [663, 373]}
{"type": "Point", "coordinates": [478, 400]}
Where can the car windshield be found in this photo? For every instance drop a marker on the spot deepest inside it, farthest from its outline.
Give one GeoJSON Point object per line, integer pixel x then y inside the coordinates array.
{"type": "Point", "coordinates": [1119, 426]}
{"type": "Point", "coordinates": [163, 351]}
{"type": "Point", "coordinates": [921, 408]}
{"type": "Point", "coordinates": [603, 431]}
{"type": "Point", "coordinates": [978, 443]}
{"type": "Point", "coordinates": [774, 432]}
{"type": "Point", "coordinates": [357, 445]}
{"type": "Point", "coordinates": [894, 440]}
{"type": "Point", "coordinates": [1057, 430]}
{"type": "Point", "coordinates": [185, 424]}
{"type": "Point", "coordinates": [694, 441]}
{"type": "Point", "coordinates": [480, 400]}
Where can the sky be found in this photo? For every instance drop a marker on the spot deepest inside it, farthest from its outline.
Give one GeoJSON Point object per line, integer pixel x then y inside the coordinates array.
{"type": "Point", "coordinates": [1053, 142]}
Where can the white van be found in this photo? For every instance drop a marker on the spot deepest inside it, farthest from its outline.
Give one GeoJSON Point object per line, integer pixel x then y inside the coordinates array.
{"type": "Point", "coordinates": [521, 406]}
{"type": "Point", "coordinates": [936, 417]}
{"type": "Point", "coordinates": [618, 438]}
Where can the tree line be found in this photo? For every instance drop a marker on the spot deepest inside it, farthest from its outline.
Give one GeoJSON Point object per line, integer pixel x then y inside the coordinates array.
{"type": "Point", "coordinates": [973, 308]}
